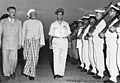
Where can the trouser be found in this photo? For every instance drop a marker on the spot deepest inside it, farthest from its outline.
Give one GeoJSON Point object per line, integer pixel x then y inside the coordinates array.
{"type": "Point", "coordinates": [85, 54]}
{"type": "Point", "coordinates": [90, 54]}
{"type": "Point", "coordinates": [98, 55]}
{"type": "Point", "coordinates": [80, 46]}
{"type": "Point", "coordinates": [31, 55]}
{"type": "Point", "coordinates": [111, 58]}
{"type": "Point", "coordinates": [10, 58]}
{"type": "Point", "coordinates": [59, 57]}
{"type": "Point", "coordinates": [118, 53]}
{"type": "Point", "coordinates": [74, 50]}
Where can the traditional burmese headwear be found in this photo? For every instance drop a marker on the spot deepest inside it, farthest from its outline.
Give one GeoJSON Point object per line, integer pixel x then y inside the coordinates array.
{"type": "Point", "coordinates": [30, 11]}
{"type": "Point", "coordinates": [60, 10]}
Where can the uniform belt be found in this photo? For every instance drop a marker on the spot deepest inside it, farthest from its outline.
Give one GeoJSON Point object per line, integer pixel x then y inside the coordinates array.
{"type": "Point", "coordinates": [58, 37]}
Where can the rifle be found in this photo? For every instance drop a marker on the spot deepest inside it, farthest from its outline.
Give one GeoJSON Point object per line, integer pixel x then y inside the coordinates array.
{"type": "Point", "coordinates": [93, 27]}
{"type": "Point", "coordinates": [107, 26]}
{"type": "Point", "coordinates": [117, 24]}
{"type": "Point", "coordinates": [82, 32]}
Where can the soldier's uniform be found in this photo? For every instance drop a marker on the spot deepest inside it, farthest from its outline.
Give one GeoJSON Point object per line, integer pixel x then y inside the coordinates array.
{"type": "Point", "coordinates": [79, 46]}
{"type": "Point", "coordinates": [85, 50]}
{"type": "Point", "coordinates": [111, 39]}
{"type": "Point", "coordinates": [90, 49]}
{"type": "Point", "coordinates": [98, 46]}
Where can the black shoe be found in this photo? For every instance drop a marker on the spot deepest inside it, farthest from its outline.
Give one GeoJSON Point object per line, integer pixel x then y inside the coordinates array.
{"type": "Point", "coordinates": [79, 67]}
{"type": "Point", "coordinates": [90, 73]}
{"type": "Point", "coordinates": [59, 76]}
{"type": "Point", "coordinates": [108, 81]}
{"type": "Point", "coordinates": [56, 76]}
{"type": "Point", "coordinates": [106, 73]}
{"type": "Point", "coordinates": [97, 77]}
{"type": "Point", "coordinates": [118, 76]}
{"type": "Point", "coordinates": [7, 78]}
{"type": "Point", "coordinates": [84, 70]}
{"type": "Point", "coordinates": [13, 76]}
{"type": "Point", "coordinates": [3, 79]}
{"type": "Point", "coordinates": [31, 78]}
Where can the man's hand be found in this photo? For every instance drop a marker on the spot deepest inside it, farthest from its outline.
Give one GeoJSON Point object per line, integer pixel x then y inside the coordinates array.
{"type": "Point", "coordinates": [89, 34]}
{"type": "Point", "coordinates": [101, 35]}
{"type": "Point", "coordinates": [112, 29]}
{"type": "Point", "coordinates": [80, 37]}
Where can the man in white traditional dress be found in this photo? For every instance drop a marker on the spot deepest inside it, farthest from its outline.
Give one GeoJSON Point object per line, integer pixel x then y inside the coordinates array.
{"type": "Point", "coordinates": [32, 41]}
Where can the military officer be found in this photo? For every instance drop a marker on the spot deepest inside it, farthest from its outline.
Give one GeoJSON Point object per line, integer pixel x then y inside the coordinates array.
{"type": "Point", "coordinates": [59, 41]}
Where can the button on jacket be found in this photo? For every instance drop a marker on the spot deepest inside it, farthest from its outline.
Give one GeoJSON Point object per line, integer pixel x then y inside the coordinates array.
{"type": "Point", "coordinates": [12, 33]}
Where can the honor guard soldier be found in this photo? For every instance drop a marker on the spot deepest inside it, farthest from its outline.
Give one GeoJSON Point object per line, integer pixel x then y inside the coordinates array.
{"type": "Point", "coordinates": [98, 45]}
{"type": "Point", "coordinates": [79, 43]}
{"type": "Point", "coordinates": [85, 45]}
{"type": "Point", "coordinates": [90, 46]}
{"type": "Point", "coordinates": [111, 41]}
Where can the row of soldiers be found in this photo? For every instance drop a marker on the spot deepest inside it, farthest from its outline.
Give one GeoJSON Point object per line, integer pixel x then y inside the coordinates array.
{"type": "Point", "coordinates": [91, 34]}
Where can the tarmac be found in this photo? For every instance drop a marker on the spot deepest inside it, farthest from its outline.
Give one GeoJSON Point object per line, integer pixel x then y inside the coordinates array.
{"type": "Point", "coordinates": [45, 71]}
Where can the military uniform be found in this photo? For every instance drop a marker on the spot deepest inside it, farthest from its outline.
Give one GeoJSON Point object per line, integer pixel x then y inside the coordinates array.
{"type": "Point", "coordinates": [79, 46]}
{"type": "Point", "coordinates": [111, 39]}
{"type": "Point", "coordinates": [98, 49]}
{"type": "Point", "coordinates": [85, 50]}
{"type": "Point", "coordinates": [59, 32]}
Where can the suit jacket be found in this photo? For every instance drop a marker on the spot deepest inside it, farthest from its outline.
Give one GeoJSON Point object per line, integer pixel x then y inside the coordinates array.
{"type": "Point", "coordinates": [11, 33]}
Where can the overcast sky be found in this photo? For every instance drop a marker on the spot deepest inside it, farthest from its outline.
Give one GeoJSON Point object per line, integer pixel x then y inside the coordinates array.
{"type": "Point", "coordinates": [74, 9]}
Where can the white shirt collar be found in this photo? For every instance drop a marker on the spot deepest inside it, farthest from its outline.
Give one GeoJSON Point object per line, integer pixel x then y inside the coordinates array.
{"type": "Point", "coordinates": [11, 20]}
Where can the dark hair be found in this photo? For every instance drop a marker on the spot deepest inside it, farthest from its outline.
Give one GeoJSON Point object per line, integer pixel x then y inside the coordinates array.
{"type": "Point", "coordinates": [11, 7]}
{"type": "Point", "coordinates": [60, 10]}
